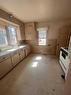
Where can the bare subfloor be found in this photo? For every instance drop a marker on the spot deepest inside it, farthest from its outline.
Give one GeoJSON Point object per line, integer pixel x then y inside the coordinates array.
{"type": "Point", "coordinates": [36, 75]}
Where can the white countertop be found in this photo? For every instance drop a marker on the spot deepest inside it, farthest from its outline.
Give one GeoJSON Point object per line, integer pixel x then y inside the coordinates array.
{"type": "Point", "coordinates": [6, 52]}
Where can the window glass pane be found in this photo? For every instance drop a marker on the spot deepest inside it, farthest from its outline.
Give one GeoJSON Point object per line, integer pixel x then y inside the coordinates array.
{"type": "Point", "coordinates": [42, 37]}
{"type": "Point", "coordinates": [42, 41]}
{"type": "Point", "coordinates": [3, 37]}
{"type": "Point", "coordinates": [12, 35]}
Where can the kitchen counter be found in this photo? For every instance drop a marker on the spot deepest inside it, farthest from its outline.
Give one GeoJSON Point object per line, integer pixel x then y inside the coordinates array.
{"type": "Point", "coordinates": [6, 52]}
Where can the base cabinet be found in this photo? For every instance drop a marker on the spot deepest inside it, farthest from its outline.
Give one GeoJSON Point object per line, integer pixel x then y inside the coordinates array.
{"type": "Point", "coordinates": [5, 67]}
{"type": "Point", "coordinates": [7, 62]}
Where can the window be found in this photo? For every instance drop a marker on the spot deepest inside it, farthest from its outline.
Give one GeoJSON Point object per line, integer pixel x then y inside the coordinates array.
{"type": "Point", "coordinates": [8, 33]}
{"type": "Point", "coordinates": [11, 34]}
{"type": "Point", "coordinates": [42, 34]}
{"type": "Point", "coordinates": [8, 36]}
{"type": "Point", "coordinates": [3, 37]}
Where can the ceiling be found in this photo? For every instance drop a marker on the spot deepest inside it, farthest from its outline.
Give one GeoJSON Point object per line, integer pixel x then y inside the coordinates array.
{"type": "Point", "coordinates": [38, 10]}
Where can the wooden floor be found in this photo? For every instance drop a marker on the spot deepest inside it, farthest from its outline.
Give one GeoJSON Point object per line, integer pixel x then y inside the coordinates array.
{"type": "Point", "coordinates": [36, 75]}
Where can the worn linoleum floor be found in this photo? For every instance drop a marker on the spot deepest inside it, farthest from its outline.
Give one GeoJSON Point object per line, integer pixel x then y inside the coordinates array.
{"type": "Point", "coordinates": [35, 75]}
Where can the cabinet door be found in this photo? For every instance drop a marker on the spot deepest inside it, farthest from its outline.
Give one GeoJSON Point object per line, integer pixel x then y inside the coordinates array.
{"type": "Point", "coordinates": [5, 67]}
{"type": "Point", "coordinates": [27, 50]}
{"type": "Point", "coordinates": [30, 32]}
{"type": "Point", "coordinates": [15, 59]}
{"type": "Point", "coordinates": [21, 54]}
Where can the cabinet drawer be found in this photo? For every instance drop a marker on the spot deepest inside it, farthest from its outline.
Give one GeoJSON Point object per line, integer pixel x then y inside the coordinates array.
{"type": "Point", "coordinates": [5, 67]}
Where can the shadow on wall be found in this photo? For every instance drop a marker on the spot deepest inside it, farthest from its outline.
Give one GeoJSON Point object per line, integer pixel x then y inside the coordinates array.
{"type": "Point", "coordinates": [63, 37]}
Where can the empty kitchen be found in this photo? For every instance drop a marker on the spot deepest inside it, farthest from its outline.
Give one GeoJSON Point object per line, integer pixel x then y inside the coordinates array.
{"type": "Point", "coordinates": [35, 47]}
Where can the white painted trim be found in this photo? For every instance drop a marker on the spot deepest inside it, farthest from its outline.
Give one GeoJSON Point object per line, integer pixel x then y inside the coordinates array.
{"type": "Point", "coordinates": [42, 29]}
